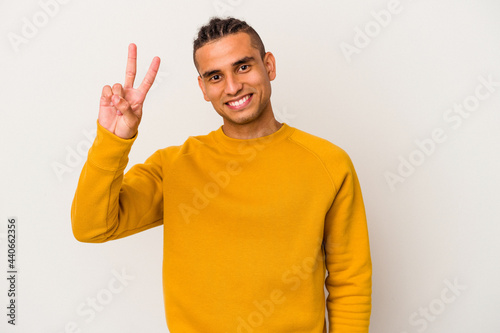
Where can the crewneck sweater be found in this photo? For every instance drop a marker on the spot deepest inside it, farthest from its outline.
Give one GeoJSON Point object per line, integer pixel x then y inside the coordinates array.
{"type": "Point", "coordinates": [253, 229]}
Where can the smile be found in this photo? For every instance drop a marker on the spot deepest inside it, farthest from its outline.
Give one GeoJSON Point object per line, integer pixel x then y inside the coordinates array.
{"type": "Point", "coordinates": [241, 103]}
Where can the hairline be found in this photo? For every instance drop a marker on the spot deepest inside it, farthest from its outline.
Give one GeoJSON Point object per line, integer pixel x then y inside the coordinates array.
{"type": "Point", "coordinates": [253, 42]}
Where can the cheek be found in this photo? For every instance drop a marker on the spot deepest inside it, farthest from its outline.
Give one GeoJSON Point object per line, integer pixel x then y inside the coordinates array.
{"type": "Point", "coordinates": [259, 80]}
{"type": "Point", "coordinates": [212, 94]}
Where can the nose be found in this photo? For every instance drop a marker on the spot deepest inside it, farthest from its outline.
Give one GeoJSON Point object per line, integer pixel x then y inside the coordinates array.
{"type": "Point", "coordinates": [233, 85]}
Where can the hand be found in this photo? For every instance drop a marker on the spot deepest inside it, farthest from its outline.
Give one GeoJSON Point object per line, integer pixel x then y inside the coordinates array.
{"type": "Point", "coordinates": [120, 108]}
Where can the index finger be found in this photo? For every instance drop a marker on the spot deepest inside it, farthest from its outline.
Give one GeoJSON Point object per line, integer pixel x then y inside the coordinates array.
{"type": "Point", "coordinates": [150, 76]}
{"type": "Point", "coordinates": [131, 66]}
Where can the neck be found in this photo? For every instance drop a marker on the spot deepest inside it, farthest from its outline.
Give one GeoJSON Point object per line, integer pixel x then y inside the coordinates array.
{"type": "Point", "coordinates": [251, 130]}
{"type": "Point", "coordinates": [263, 125]}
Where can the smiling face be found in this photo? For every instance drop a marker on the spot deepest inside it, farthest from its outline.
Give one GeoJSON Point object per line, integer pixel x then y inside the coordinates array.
{"type": "Point", "coordinates": [237, 81]}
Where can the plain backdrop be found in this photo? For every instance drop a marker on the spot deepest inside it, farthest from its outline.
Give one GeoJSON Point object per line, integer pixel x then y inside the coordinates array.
{"type": "Point", "coordinates": [410, 89]}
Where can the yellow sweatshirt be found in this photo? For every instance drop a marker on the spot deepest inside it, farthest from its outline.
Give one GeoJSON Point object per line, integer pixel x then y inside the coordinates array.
{"type": "Point", "coordinates": [251, 227]}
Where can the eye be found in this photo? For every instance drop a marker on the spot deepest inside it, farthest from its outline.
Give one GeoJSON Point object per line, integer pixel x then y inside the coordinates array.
{"type": "Point", "coordinates": [216, 77]}
{"type": "Point", "coordinates": [244, 67]}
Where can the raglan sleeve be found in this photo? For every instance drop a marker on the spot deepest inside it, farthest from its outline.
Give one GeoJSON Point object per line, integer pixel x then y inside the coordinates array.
{"type": "Point", "coordinates": [347, 253]}
{"type": "Point", "coordinates": [109, 204]}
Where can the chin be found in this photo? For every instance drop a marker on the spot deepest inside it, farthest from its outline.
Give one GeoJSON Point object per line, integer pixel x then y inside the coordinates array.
{"type": "Point", "coordinates": [245, 118]}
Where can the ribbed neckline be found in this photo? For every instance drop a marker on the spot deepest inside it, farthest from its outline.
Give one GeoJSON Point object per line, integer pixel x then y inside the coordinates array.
{"type": "Point", "coordinates": [234, 144]}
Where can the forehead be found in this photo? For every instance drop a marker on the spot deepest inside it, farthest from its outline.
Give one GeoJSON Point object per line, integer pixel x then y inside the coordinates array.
{"type": "Point", "coordinates": [225, 51]}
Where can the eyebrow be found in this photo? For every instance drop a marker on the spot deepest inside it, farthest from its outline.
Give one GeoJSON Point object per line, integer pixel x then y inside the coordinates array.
{"type": "Point", "coordinates": [236, 63]}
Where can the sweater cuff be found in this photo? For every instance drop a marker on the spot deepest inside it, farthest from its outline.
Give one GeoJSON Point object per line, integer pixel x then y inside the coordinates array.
{"type": "Point", "coordinates": [109, 151]}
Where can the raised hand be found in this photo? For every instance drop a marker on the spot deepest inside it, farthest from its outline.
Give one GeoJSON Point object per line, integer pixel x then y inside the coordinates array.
{"type": "Point", "coordinates": [120, 108]}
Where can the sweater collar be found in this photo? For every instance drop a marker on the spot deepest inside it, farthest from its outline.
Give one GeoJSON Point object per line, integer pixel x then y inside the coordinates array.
{"type": "Point", "coordinates": [236, 144]}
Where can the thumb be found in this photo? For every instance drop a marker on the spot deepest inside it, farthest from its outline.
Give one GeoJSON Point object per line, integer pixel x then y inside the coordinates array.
{"type": "Point", "coordinates": [126, 128]}
{"type": "Point", "coordinates": [122, 105]}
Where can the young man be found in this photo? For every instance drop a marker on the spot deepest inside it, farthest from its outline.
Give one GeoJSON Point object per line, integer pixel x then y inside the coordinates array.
{"type": "Point", "coordinates": [255, 213]}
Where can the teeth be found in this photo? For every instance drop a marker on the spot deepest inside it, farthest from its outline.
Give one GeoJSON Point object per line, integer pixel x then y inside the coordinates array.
{"type": "Point", "coordinates": [241, 101]}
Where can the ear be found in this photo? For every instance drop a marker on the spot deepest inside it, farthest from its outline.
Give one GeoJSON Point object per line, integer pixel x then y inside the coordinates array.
{"type": "Point", "coordinates": [270, 64]}
{"type": "Point", "coordinates": [202, 87]}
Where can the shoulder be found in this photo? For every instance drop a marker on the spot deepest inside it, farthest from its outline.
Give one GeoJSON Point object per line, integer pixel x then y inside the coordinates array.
{"type": "Point", "coordinates": [322, 148]}
{"type": "Point", "coordinates": [334, 159]}
{"type": "Point", "coordinates": [192, 144]}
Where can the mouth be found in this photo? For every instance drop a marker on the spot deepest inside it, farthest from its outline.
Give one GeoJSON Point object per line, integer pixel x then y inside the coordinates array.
{"type": "Point", "coordinates": [238, 104]}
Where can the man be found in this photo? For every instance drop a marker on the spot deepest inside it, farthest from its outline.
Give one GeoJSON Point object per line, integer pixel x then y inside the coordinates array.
{"type": "Point", "coordinates": [254, 213]}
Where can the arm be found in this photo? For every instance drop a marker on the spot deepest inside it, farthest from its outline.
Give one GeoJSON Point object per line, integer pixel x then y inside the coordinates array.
{"type": "Point", "coordinates": [348, 257]}
{"type": "Point", "coordinates": [108, 205]}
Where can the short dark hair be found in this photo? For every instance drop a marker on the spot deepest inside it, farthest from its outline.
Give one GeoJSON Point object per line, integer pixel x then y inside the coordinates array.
{"type": "Point", "coordinates": [218, 28]}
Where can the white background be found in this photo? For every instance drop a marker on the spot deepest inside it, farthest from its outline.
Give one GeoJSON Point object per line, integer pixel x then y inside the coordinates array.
{"type": "Point", "coordinates": [439, 226]}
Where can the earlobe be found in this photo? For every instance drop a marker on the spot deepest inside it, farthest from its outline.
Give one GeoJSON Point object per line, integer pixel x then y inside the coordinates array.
{"type": "Point", "coordinates": [270, 63]}
{"type": "Point", "coordinates": [202, 87]}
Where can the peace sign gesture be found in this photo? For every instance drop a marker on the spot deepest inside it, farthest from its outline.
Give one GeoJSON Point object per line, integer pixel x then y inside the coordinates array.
{"type": "Point", "coordinates": [120, 108]}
